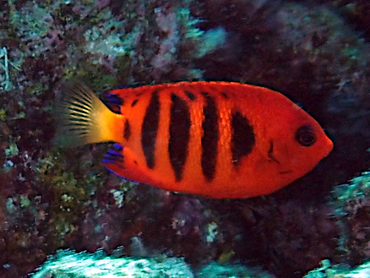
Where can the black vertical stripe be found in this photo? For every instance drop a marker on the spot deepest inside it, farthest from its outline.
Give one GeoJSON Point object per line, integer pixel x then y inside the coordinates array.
{"type": "Point", "coordinates": [134, 103]}
{"type": "Point", "coordinates": [149, 129]}
{"type": "Point", "coordinates": [190, 95]}
{"type": "Point", "coordinates": [225, 96]}
{"type": "Point", "coordinates": [179, 134]}
{"type": "Point", "coordinates": [242, 138]}
{"type": "Point", "coordinates": [210, 137]}
{"type": "Point", "coordinates": [127, 130]}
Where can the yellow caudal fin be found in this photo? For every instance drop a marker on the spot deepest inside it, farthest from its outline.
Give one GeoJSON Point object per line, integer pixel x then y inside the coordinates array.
{"type": "Point", "coordinates": [82, 118]}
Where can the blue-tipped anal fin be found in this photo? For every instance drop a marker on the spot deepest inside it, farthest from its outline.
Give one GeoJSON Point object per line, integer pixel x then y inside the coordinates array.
{"type": "Point", "coordinates": [114, 161]}
{"type": "Point", "coordinates": [117, 146]}
{"type": "Point", "coordinates": [114, 155]}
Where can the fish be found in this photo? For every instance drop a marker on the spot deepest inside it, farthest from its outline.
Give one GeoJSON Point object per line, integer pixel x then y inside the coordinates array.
{"type": "Point", "coordinates": [222, 140]}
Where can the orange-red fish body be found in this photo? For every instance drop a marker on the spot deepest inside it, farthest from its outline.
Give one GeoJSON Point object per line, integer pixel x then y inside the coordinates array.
{"type": "Point", "coordinates": [219, 139]}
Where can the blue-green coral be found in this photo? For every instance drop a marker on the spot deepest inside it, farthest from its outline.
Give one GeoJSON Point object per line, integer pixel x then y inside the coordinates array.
{"type": "Point", "coordinates": [67, 264]}
{"type": "Point", "coordinates": [327, 270]}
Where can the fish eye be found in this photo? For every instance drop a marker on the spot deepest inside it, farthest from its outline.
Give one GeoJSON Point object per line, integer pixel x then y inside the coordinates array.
{"type": "Point", "coordinates": [305, 136]}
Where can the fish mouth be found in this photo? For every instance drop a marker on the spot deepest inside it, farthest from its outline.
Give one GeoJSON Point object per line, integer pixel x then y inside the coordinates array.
{"type": "Point", "coordinates": [285, 172]}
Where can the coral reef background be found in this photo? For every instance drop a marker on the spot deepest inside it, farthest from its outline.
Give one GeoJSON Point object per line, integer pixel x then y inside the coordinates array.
{"type": "Point", "coordinates": [315, 52]}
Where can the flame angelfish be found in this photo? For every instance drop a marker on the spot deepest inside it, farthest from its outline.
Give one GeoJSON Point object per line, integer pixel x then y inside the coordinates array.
{"type": "Point", "coordinates": [219, 139]}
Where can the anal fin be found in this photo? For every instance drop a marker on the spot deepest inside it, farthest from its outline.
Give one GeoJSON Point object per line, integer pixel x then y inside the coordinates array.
{"type": "Point", "coordinates": [114, 155]}
{"type": "Point", "coordinates": [121, 161]}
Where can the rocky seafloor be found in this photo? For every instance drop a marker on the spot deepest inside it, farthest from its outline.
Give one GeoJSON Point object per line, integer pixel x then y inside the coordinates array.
{"type": "Point", "coordinates": [315, 52]}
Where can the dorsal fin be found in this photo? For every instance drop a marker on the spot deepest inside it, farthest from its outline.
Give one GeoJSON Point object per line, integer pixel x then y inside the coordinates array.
{"type": "Point", "coordinates": [113, 101]}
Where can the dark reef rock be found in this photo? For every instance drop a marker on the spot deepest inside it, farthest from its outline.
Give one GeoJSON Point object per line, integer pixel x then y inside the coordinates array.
{"type": "Point", "coordinates": [315, 52]}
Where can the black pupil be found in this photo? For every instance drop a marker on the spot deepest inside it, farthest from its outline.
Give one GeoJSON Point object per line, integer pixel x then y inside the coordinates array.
{"type": "Point", "coordinates": [305, 136]}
